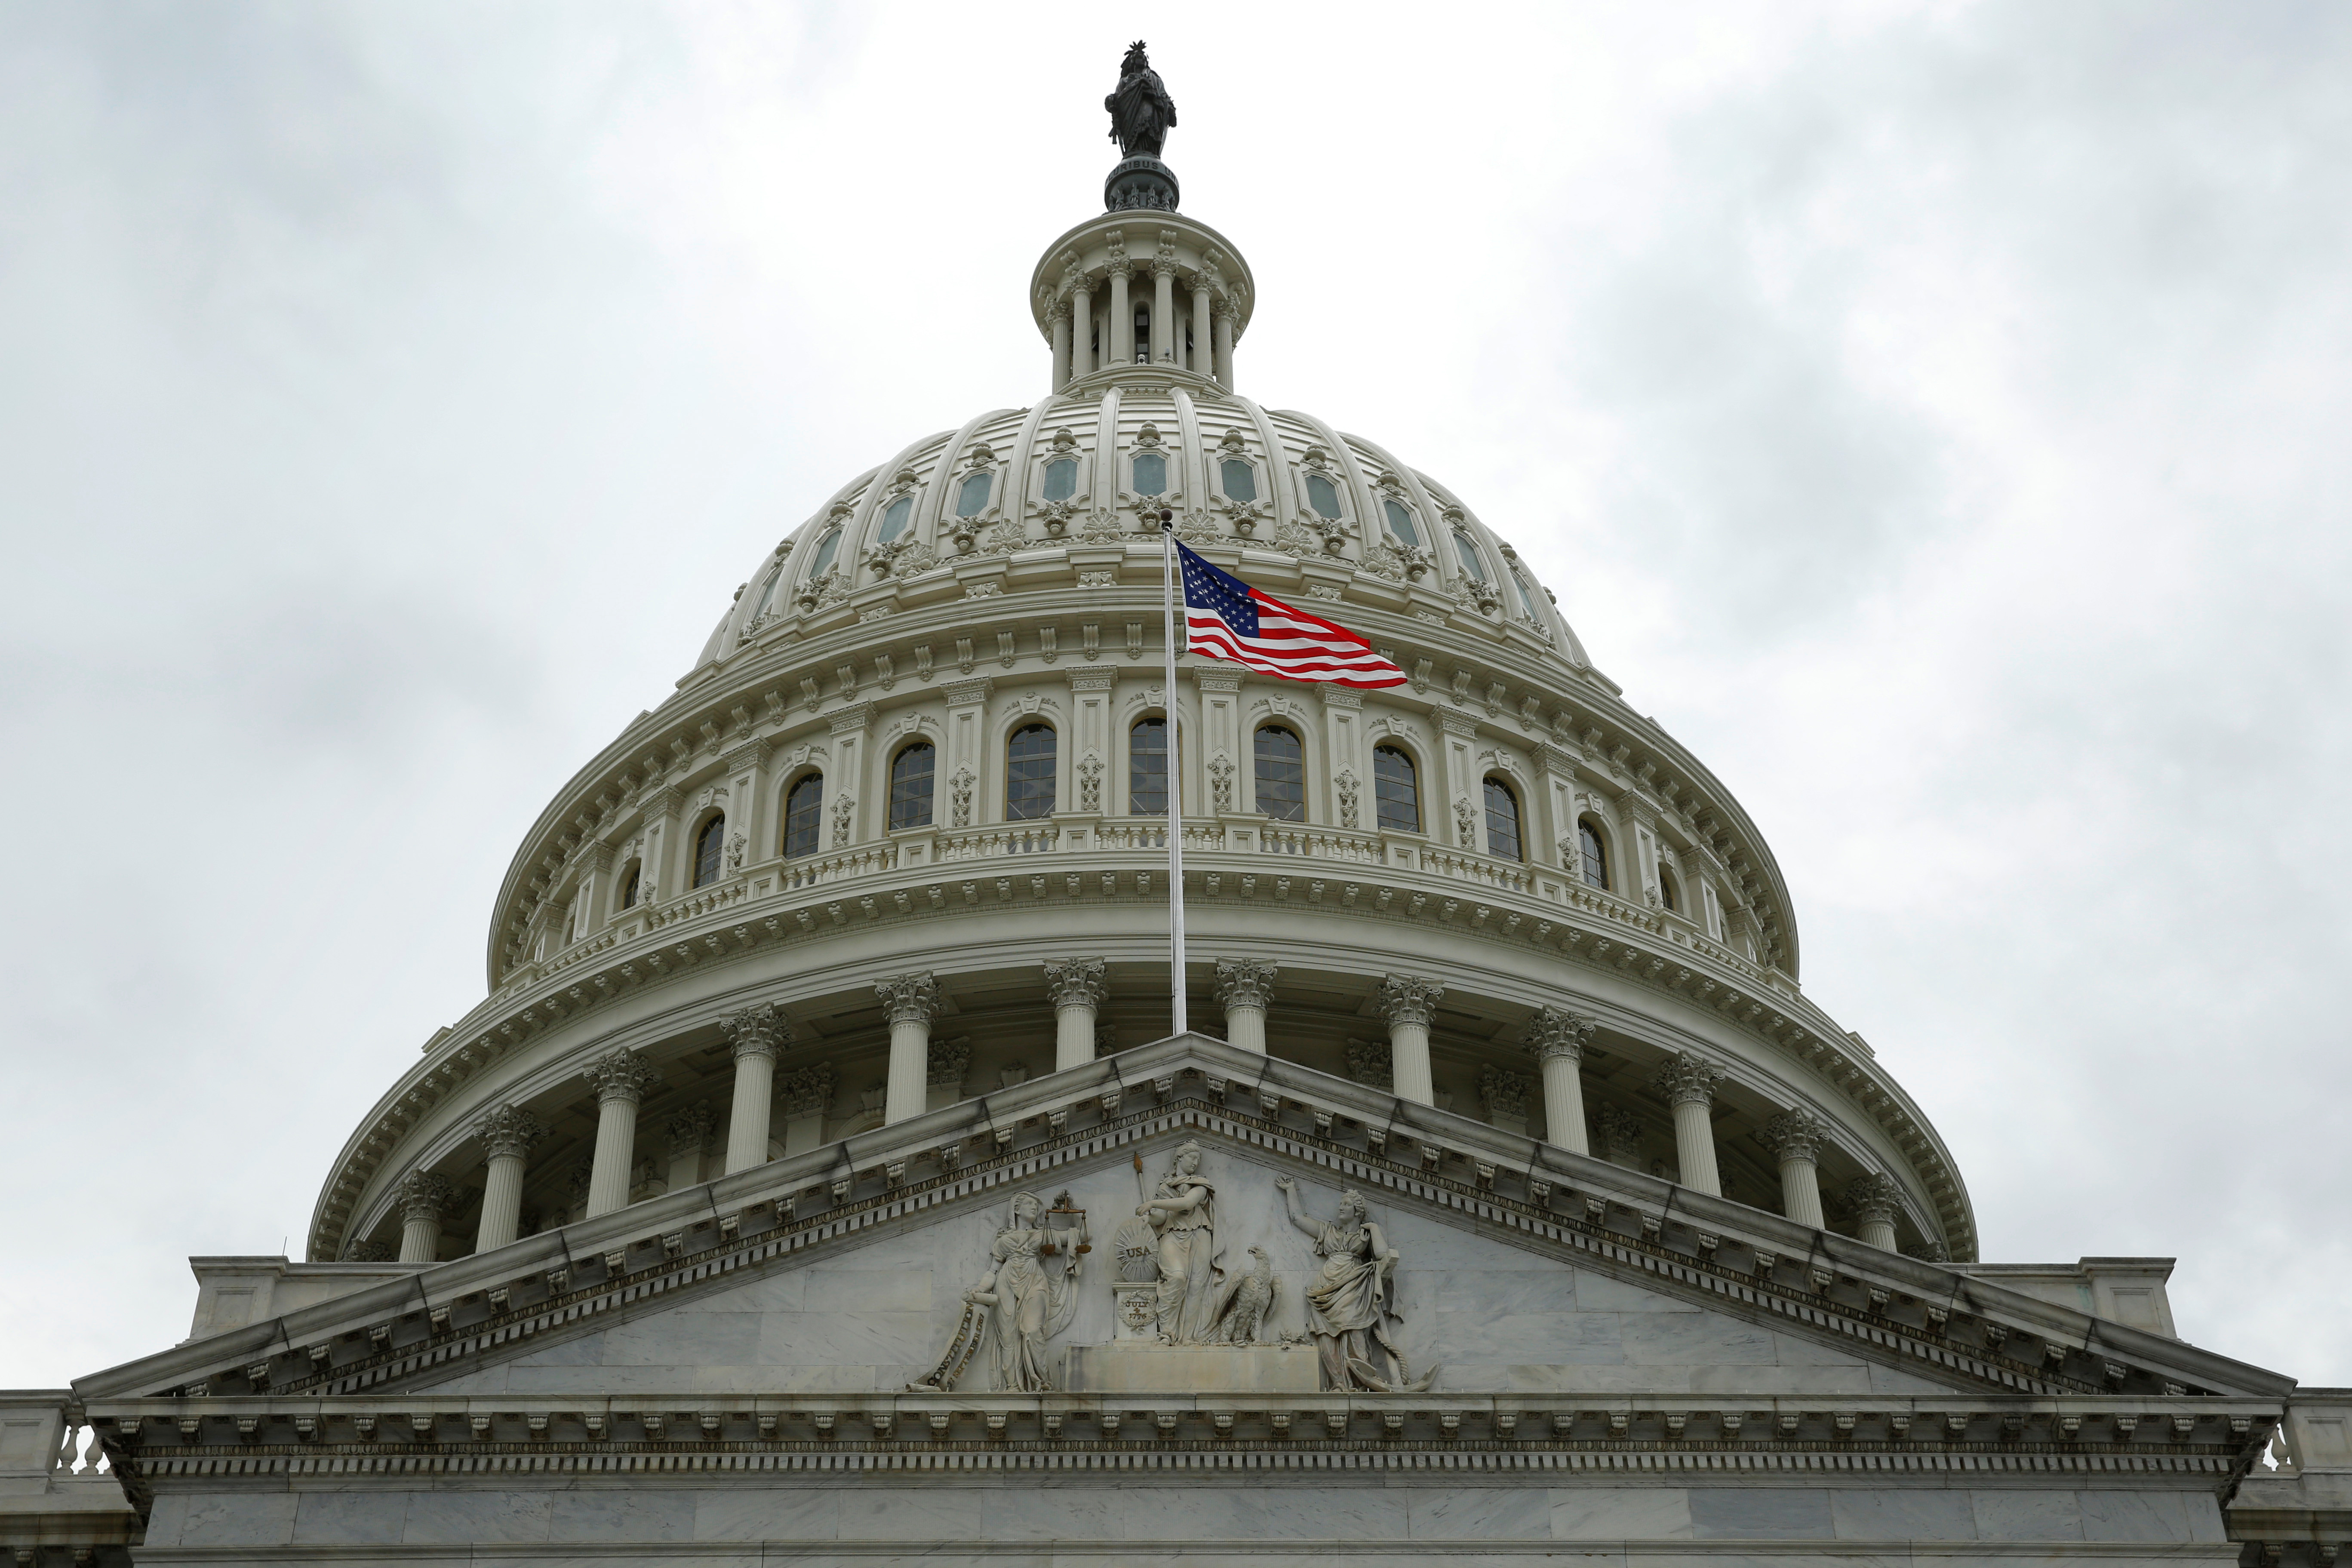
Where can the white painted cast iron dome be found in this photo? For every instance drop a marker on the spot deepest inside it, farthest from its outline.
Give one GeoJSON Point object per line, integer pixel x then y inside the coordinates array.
{"type": "Point", "coordinates": [908, 792]}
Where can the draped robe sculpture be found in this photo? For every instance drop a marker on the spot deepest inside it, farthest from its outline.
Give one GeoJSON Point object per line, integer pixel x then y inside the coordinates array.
{"type": "Point", "coordinates": [1142, 112]}
{"type": "Point", "coordinates": [1351, 1301]}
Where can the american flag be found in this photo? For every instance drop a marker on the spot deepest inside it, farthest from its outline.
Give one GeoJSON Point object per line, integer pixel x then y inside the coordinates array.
{"type": "Point", "coordinates": [1224, 618]}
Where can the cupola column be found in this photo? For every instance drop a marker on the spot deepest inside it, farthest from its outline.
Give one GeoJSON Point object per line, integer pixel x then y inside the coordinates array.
{"type": "Point", "coordinates": [1076, 987]}
{"type": "Point", "coordinates": [1222, 365]}
{"type": "Point", "coordinates": [1796, 1138]}
{"type": "Point", "coordinates": [424, 1198]}
{"type": "Point", "coordinates": [1875, 1200]}
{"type": "Point", "coordinates": [1122, 315]}
{"type": "Point", "coordinates": [506, 1134]}
{"type": "Point", "coordinates": [910, 1001]}
{"type": "Point", "coordinates": [1166, 346]}
{"type": "Point", "coordinates": [621, 1079]}
{"type": "Point", "coordinates": [1557, 1039]}
{"type": "Point", "coordinates": [1203, 352]}
{"type": "Point", "coordinates": [1245, 987]}
{"type": "Point", "coordinates": [1688, 1083]}
{"type": "Point", "coordinates": [1082, 329]}
{"type": "Point", "coordinates": [757, 1034]}
{"type": "Point", "coordinates": [1408, 1001]}
{"type": "Point", "coordinates": [1060, 316]}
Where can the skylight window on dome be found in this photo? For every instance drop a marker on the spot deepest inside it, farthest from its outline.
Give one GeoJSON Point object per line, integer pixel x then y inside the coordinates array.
{"type": "Point", "coordinates": [1150, 473]}
{"type": "Point", "coordinates": [822, 563]}
{"type": "Point", "coordinates": [1526, 600]}
{"type": "Point", "coordinates": [1466, 552]}
{"type": "Point", "coordinates": [1061, 479]}
{"type": "Point", "coordinates": [974, 494]}
{"type": "Point", "coordinates": [767, 593]}
{"type": "Point", "coordinates": [1323, 496]}
{"type": "Point", "coordinates": [1400, 524]}
{"type": "Point", "coordinates": [896, 517]}
{"type": "Point", "coordinates": [1240, 479]}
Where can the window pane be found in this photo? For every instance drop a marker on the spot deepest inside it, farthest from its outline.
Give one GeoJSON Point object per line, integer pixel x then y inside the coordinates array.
{"type": "Point", "coordinates": [1281, 774]}
{"type": "Point", "coordinates": [1147, 768]}
{"type": "Point", "coordinates": [1150, 473]}
{"type": "Point", "coordinates": [1241, 479]}
{"type": "Point", "coordinates": [1666, 891]}
{"type": "Point", "coordinates": [1526, 600]}
{"type": "Point", "coordinates": [629, 889]}
{"type": "Point", "coordinates": [1323, 496]}
{"type": "Point", "coordinates": [973, 495]}
{"type": "Point", "coordinates": [1029, 775]}
{"type": "Point", "coordinates": [1502, 820]}
{"type": "Point", "coordinates": [825, 549]}
{"type": "Point", "coordinates": [1396, 795]}
{"type": "Point", "coordinates": [895, 519]}
{"type": "Point", "coordinates": [767, 593]}
{"type": "Point", "coordinates": [1596, 861]}
{"type": "Point", "coordinates": [910, 786]}
{"type": "Point", "coordinates": [1061, 479]}
{"type": "Point", "coordinates": [706, 845]}
{"type": "Point", "coordinates": [1467, 554]}
{"type": "Point", "coordinates": [1400, 524]}
{"type": "Point", "coordinates": [804, 816]}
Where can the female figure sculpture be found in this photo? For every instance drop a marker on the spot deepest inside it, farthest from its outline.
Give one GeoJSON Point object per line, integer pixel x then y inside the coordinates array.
{"type": "Point", "coordinates": [1028, 1302]}
{"type": "Point", "coordinates": [1183, 1211]}
{"type": "Point", "coordinates": [1142, 112]}
{"type": "Point", "coordinates": [1348, 1303]}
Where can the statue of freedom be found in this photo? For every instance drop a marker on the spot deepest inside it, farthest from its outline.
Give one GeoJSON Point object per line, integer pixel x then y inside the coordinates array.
{"type": "Point", "coordinates": [1142, 112]}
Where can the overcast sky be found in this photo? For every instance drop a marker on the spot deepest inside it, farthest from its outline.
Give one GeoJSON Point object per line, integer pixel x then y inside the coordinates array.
{"type": "Point", "coordinates": [1937, 417]}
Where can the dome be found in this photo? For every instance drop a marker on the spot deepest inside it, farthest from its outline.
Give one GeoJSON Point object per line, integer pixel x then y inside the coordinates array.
{"type": "Point", "coordinates": [918, 776]}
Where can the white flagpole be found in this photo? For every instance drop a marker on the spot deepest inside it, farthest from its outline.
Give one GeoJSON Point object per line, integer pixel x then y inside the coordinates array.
{"type": "Point", "coordinates": [1175, 784]}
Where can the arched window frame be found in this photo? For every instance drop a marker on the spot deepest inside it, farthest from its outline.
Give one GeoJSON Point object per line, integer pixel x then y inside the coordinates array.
{"type": "Point", "coordinates": [1013, 727]}
{"type": "Point", "coordinates": [821, 560]}
{"type": "Point", "coordinates": [1420, 796]}
{"type": "Point", "coordinates": [626, 884]}
{"type": "Point", "coordinates": [1518, 791]}
{"type": "Point", "coordinates": [1049, 451]}
{"type": "Point", "coordinates": [931, 797]}
{"type": "Point", "coordinates": [1669, 891]}
{"type": "Point", "coordinates": [882, 534]}
{"type": "Point", "coordinates": [1126, 757]}
{"type": "Point", "coordinates": [1332, 473]}
{"type": "Point", "coordinates": [1608, 860]}
{"type": "Point", "coordinates": [793, 781]}
{"type": "Point", "coordinates": [1291, 728]}
{"type": "Point", "coordinates": [706, 869]}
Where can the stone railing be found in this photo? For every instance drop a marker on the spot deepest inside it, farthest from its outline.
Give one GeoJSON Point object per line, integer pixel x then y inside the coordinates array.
{"type": "Point", "coordinates": [816, 870]}
{"type": "Point", "coordinates": [989, 843]}
{"type": "Point", "coordinates": [58, 1489]}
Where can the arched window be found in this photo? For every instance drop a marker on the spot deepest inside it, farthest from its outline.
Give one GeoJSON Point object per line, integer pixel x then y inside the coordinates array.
{"type": "Point", "coordinates": [1281, 774]}
{"type": "Point", "coordinates": [629, 888]}
{"type": "Point", "coordinates": [1526, 600]}
{"type": "Point", "coordinates": [971, 497]}
{"type": "Point", "coordinates": [1147, 768]}
{"type": "Point", "coordinates": [1666, 891]}
{"type": "Point", "coordinates": [1061, 479]}
{"type": "Point", "coordinates": [1596, 858]}
{"type": "Point", "coordinates": [804, 816]}
{"type": "Point", "coordinates": [822, 563]}
{"type": "Point", "coordinates": [709, 845]}
{"type": "Point", "coordinates": [1240, 479]}
{"type": "Point", "coordinates": [1465, 551]}
{"type": "Point", "coordinates": [911, 772]}
{"type": "Point", "coordinates": [767, 593]}
{"type": "Point", "coordinates": [1143, 334]}
{"type": "Point", "coordinates": [1323, 496]}
{"type": "Point", "coordinates": [1029, 774]}
{"type": "Point", "coordinates": [1151, 470]}
{"type": "Point", "coordinates": [1502, 821]}
{"type": "Point", "coordinates": [896, 516]}
{"type": "Point", "coordinates": [1400, 523]}
{"type": "Point", "coordinates": [1396, 794]}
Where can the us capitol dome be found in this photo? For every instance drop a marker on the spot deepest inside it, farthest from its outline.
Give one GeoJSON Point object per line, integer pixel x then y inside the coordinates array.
{"type": "Point", "coordinates": [822, 1145]}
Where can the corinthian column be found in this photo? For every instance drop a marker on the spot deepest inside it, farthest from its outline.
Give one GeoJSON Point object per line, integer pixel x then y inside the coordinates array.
{"type": "Point", "coordinates": [1224, 359]}
{"type": "Point", "coordinates": [1060, 317]}
{"type": "Point", "coordinates": [1688, 1083]}
{"type": "Point", "coordinates": [756, 1034]}
{"type": "Point", "coordinates": [1796, 1137]}
{"type": "Point", "coordinates": [1167, 342]}
{"type": "Point", "coordinates": [507, 1135]}
{"type": "Point", "coordinates": [1199, 363]}
{"type": "Point", "coordinates": [1557, 1038]}
{"type": "Point", "coordinates": [1076, 987]}
{"type": "Point", "coordinates": [1082, 330]}
{"type": "Point", "coordinates": [1407, 1002]}
{"type": "Point", "coordinates": [1876, 1199]}
{"type": "Point", "coordinates": [1121, 348]}
{"type": "Point", "coordinates": [424, 1198]}
{"type": "Point", "coordinates": [621, 1079]}
{"type": "Point", "coordinates": [1244, 988]}
{"type": "Point", "coordinates": [909, 1000]}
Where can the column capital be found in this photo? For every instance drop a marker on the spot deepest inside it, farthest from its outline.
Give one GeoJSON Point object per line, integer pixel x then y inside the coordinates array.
{"type": "Point", "coordinates": [422, 1196]}
{"type": "Point", "coordinates": [691, 1130]}
{"type": "Point", "coordinates": [1794, 1135]}
{"type": "Point", "coordinates": [1246, 983]}
{"type": "Point", "coordinates": [1502, 1092]}
{"type": "Point", "coordinates": [1875, 1199]}
{"type": "Point", "coordinates": [946, 1062]}
{"type": "Point", "coordinates": [621, 1075]}
{"type": "Point", "coordinates": [1334, 695]}
{"type": "Point", "coordinates": [1558, 760]}
{"type": "Point", "coordinates": [509, 1130]}
{"type": "Point", "coordinates": [1409, 999]}
{"type": "Point", "coordinates": [1687, 1080]}
{"type": "Point", "coordinates": [908, 999]}
{"type": "Point", "coordinates": [1620, 1135]}
{"type": "Point", "coordinates": [760, 1031]}
{"type": "Point", "coordinates": [753, 754]}
{"type": "Point", "coordinates": [807, 1091]}
{"type": "Point", "coordinates": [967, 693]}
{"type": "Point", "coordinates": [1059, 310]}
{"type": "Point", "coordinates": [1556, 1032]}
{"type": "Point", "coordinates": [1075, 982]}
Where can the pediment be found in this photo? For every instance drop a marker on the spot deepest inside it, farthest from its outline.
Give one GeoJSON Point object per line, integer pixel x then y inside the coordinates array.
{"type": "Point", "coordinates": [1521, 1268]}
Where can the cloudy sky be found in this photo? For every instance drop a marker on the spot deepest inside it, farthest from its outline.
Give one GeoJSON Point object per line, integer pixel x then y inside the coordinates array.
{"type": "Point", "coordinates": [1935, 416]}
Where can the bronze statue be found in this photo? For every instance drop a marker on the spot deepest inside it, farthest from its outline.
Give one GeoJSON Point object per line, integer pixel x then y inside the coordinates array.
{"type": "Point", "coordinates": [1142, 112]}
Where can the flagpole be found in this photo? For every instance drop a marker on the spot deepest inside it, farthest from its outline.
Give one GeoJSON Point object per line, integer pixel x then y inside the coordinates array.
{"type": "Point", "coordinates": [1175, 783]}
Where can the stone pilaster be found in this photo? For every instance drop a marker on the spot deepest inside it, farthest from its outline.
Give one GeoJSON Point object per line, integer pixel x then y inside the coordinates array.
{"type": "Point", "coordinates": [692, 1132]}
{"type": "Point", "coordinates": [1688, 1083]}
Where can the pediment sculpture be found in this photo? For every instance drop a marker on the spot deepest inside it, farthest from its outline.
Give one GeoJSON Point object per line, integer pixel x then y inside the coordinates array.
{"type": "Point", "coordinates": [1028, 1296]}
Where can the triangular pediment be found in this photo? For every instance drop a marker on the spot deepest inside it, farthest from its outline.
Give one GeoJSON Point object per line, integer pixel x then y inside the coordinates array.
{"type": "Point", "coordinates": [1522, 1268]}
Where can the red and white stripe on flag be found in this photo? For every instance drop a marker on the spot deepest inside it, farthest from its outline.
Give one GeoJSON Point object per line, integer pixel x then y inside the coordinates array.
{"type": "Point", "coordinates": [1224, 618]}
